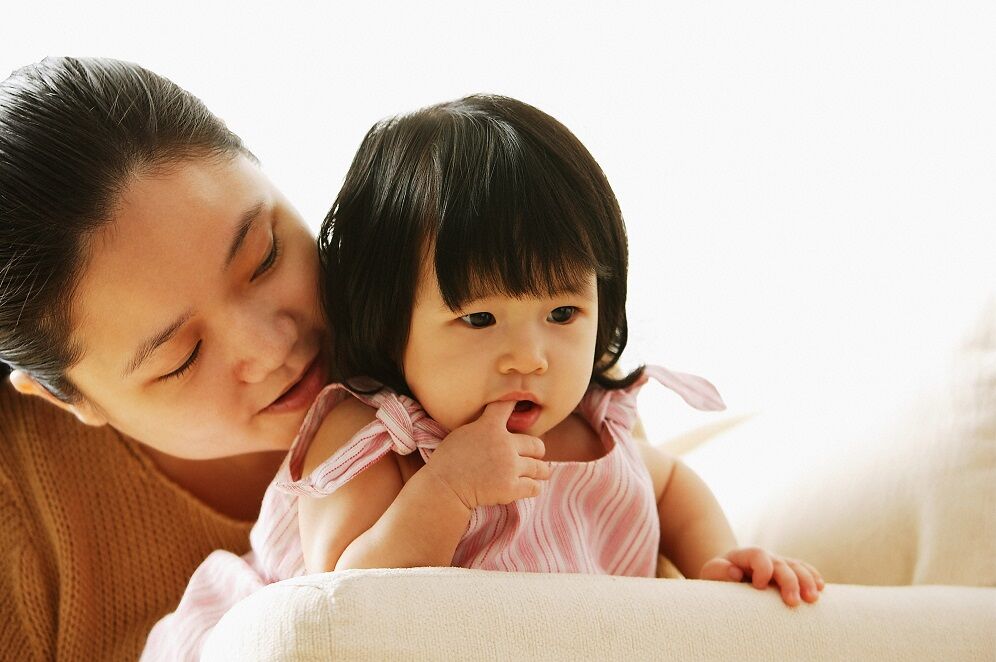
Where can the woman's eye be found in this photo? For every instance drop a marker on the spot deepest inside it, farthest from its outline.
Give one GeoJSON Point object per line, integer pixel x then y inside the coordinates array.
{"type": "Point", "coordinates": [478, 320]}
{"type": "Point", "coordinates": [270, 260]}
{"type": "Point", "coordinates": [187, 365]}
{"type": "Point", "coordinates": [562, 315]}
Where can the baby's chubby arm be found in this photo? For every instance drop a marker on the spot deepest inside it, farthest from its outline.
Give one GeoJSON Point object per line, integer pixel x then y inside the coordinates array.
{"type": "Point", "coordinates": [379, 521]}
{"type": "Point", "coordinates": [697, 538]}
{"type": "Point", "coordinates": [693, 526]}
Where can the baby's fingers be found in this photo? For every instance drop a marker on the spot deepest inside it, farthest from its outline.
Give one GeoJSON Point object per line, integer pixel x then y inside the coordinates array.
{"type": "Point", "coordinates": [788, 582]}
{"type": "Point", "coordinates": [820, 584]}
{"type": "Point", "coordinates": [756, 562]}
{"type": "Point", "coordinates": [527, 446]}
{"type": "Point", "coordinates": [808, 586]}
{"type": "Point", "coordinates": [497, 413]}
{"type": "Point", "coordinates": [536, 469]}
{"type": "Point", "coordinates": [721, 570]}
{"type": "Point", "coordinates": [526, 488]}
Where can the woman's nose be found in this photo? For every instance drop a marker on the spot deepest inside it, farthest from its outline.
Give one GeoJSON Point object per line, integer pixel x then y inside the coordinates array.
{"type": "Point", "coordinates": [261, 344]}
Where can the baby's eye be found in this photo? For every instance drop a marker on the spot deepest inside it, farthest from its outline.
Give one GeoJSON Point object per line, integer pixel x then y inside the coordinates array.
{"type": "Point", "coordinates": [478, 320]}
{"type": "Point", "coordinates": [562, 315]}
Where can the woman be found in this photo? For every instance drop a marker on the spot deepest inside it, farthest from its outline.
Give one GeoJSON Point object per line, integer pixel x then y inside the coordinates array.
{"type": "Point", "coordinates": [155, 285]}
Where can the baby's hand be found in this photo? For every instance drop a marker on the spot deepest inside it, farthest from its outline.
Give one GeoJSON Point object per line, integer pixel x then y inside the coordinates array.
{"type": "Point", "coordinates": [484, 464]}
{"type": "Point", "coordinates": [762, 568]}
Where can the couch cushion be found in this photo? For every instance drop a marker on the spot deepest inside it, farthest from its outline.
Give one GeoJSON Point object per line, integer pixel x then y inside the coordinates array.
{"type": "Point", "coordinates": [875, 485]}
{"type": "Point", "coordinates": [447, 614]}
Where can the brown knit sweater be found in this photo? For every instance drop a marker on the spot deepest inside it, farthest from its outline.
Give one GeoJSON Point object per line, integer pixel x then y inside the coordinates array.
{"type": "Point", "coordinates": [95, 543]}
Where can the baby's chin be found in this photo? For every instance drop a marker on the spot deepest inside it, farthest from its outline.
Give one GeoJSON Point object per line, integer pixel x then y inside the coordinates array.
{"type": "Point", "coordinates": [451, 423]}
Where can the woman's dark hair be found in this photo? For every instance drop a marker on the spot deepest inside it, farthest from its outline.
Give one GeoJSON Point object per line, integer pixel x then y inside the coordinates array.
{"type": "Point", "coordinates": [499, 196]}
{"type": "Point", "coordinates": [72, 133]}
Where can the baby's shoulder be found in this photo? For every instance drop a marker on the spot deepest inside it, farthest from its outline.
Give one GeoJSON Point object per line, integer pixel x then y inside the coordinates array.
{"type": "Point", "coordinates": [338, 426]}
{"type": "Point", "coordinates": [659, 463]}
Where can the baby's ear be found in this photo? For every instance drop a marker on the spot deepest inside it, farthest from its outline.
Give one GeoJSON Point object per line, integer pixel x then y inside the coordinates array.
{"type": "Point", "coordinates": [83, 410]}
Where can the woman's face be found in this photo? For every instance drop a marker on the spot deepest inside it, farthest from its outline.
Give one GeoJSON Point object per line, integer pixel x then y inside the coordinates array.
{"type": "Point", "coordinates": [197, 313]}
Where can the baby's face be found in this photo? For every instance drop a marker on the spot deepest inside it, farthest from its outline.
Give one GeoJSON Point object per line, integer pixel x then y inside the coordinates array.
{"type": "Point", "coordinates": [536, 351]}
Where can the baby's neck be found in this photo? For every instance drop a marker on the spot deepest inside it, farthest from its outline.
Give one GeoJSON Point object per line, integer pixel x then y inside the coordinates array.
{"type": "Point", "coordinates": [573, 440]}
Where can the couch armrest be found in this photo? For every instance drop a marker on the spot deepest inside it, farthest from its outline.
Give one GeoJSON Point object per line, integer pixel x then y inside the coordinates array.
{"type": "Point", "coordinates": [453, 613]}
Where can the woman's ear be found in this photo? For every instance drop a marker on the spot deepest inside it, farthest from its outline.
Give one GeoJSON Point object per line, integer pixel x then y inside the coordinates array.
{"type": "Point", "coordinates": [83, 410]}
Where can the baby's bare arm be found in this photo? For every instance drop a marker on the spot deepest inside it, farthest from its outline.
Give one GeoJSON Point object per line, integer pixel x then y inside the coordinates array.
{"type": "Point", "coordinates": [693, 526]}
{"type": "Point", "coordinates": [376, 520]}
{"type": "Point", "coordinates": [697, 538]}
{"type": "Point", "coordinates": [379, 521]}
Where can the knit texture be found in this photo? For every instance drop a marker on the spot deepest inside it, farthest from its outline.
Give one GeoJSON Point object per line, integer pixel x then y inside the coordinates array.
{"type": "Point", "coordinates": [96, 544]}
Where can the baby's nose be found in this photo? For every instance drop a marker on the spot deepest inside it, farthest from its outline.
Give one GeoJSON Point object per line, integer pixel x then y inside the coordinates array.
{"type": "Point", "coordinates": [524, 360]}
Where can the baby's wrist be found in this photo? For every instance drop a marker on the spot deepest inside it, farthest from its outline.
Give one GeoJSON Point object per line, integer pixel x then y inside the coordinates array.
{"type": "Point", "coordinates": [442, 486]}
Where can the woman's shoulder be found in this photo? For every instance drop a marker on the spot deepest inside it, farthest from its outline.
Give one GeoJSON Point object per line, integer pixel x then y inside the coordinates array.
{"type": "Point", "coordinates": [37, 439]}
{"type": "Point", "coordinates": [28, 416]}
{"type": "Point", "coordinates": [51, 468]}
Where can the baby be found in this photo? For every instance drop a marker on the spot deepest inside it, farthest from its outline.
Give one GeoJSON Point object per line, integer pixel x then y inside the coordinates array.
{"type": "Point", "coordinates": [474, 269]}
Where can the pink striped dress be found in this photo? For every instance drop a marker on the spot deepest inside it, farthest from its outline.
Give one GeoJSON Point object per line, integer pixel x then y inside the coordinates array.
{"type": "Point", "coordinates": [596, 517]}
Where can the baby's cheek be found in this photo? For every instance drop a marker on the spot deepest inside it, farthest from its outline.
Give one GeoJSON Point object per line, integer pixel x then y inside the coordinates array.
{"type": "Point", "coordinates": [463, 411]}
{"type": "Point", "coordinates": [444, 406]}
{"type": "Point", "coordinates": [577, 385]}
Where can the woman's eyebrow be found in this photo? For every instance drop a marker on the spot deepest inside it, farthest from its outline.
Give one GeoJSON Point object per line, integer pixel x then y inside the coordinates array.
{"type": "Point", "coordinates": [248, 218]}
{"type": "Point", "coordinates": [154, 342]}
{"type": "Point", "coordinates": [146, 349]}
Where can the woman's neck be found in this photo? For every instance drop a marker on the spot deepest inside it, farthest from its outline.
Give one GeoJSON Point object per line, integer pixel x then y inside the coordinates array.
{"type": "Point", "coordinates": [233, 486]}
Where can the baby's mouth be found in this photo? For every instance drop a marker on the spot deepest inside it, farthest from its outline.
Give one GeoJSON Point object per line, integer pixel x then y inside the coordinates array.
{"type": "Point", "coordinates": [524, 415]}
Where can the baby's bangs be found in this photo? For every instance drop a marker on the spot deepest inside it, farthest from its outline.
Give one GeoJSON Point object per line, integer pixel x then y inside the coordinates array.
{"type": "Point", "coordinates": [514, 271]}
{"type": "Point", "coordinates": [505, 244]}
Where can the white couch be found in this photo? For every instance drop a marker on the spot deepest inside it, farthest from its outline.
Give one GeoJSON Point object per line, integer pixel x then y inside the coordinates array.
{"type": "Point", "coordinates": [895, 502]}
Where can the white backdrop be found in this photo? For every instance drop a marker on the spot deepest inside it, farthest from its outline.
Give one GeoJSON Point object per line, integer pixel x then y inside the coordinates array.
{"type": "Point", "coordinates": [808, 187]}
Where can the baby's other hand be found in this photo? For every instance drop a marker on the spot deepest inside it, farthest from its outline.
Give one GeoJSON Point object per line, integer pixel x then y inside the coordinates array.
{"type": "Point", "coordinates": [761, 568]}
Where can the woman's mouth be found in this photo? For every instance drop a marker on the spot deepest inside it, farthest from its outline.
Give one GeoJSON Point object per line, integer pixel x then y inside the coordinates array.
{"type": "Point", "coordinates": [301, 393]}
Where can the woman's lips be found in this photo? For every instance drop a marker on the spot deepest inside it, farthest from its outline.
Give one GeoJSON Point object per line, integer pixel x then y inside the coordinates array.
{"type": "Point", "coordinates": [524, 416]}
{"type": "Point", "coordinates": [302, 393]}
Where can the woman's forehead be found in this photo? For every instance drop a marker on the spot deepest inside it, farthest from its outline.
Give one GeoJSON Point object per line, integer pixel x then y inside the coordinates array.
{"type": "Point", "coordinates": [170, 235]}
{"type": "Point", "coordinates": [211, 191]}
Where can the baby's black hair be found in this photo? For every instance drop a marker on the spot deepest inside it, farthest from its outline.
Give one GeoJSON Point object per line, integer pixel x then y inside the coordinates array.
{"type": "Point", "coordinates": [501, 197]}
